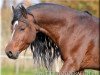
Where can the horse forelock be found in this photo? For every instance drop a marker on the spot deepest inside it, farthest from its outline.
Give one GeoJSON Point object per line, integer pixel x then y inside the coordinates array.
{"type": "Point", "coordinates": [16, 16]}
{"type": "Point", "coordinates": [17, 13]}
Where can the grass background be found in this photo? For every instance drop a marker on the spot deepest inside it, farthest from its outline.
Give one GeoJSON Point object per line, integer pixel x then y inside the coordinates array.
{"type": "Point", "coordinates": [10, 70]}
{"type": "Point", "coordinates": [6, 71]}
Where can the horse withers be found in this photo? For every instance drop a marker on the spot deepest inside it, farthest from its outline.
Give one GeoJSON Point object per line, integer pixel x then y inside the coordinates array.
{"type": "Point", "coordinates": [73, 33]}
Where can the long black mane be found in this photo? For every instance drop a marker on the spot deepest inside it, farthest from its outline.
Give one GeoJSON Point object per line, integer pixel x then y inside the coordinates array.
{"type": "Point", "coordinates": [43, 48]}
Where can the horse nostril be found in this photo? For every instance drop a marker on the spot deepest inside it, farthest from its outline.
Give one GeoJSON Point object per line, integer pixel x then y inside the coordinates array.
{"type": "Point", "coordinates": [10, 54]}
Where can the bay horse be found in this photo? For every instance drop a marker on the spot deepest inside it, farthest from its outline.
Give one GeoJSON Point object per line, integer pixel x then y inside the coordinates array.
{"type": "Point", "coordinates": [56, 30]}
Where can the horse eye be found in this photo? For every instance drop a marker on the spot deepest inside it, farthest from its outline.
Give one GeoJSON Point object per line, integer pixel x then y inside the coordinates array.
{"type": "Point", "coordinates": [22, 29]}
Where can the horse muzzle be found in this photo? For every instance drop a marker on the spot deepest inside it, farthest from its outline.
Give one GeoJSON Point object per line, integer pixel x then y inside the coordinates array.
{"type": "Point", "coordinates": [12, 55]}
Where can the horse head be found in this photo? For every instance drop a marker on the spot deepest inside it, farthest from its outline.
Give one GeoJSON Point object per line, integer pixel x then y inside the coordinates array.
{"type": "Point", "coordinates": [23, 32]}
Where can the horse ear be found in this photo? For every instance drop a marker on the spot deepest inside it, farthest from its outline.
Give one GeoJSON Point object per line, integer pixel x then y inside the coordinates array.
{"type": "Point", "coordinates": [23, 11]}
{"type": "Point", "coordinates": [13, 9]}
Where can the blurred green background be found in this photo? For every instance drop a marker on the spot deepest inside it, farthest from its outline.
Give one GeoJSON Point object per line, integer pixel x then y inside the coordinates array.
{"type": "Point", "coordinates": [25, 66]}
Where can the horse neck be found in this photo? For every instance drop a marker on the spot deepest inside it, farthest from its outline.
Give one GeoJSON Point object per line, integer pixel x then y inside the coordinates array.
{"type": "Point", "coordinates": [50, 24]}
{"type": "Point", "coordinates": [51, 31]}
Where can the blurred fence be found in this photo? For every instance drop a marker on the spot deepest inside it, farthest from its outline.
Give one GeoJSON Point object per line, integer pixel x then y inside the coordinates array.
{"type": "Point", "coordinates": [16, 64]}
{"type": "Point", "coordinates": [26, 63]}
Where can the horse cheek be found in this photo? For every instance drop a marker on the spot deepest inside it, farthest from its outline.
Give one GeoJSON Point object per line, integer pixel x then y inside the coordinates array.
{"type": "Point", "coordinates": [33, 35]}
{"type": "Point", "coordinates": [30, 37]}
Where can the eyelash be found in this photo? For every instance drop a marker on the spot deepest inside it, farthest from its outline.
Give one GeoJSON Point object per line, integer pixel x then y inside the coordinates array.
{"type": "Point", "coordinates": [22, 29]}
